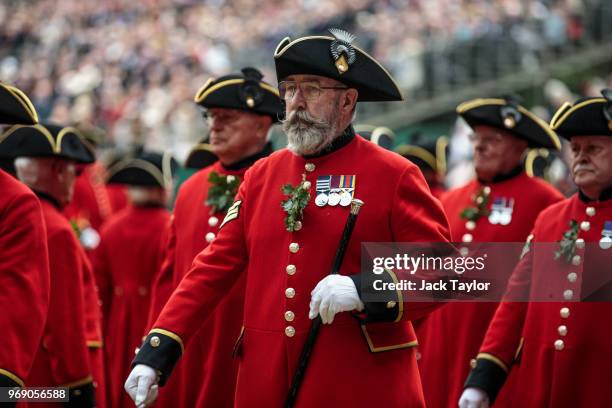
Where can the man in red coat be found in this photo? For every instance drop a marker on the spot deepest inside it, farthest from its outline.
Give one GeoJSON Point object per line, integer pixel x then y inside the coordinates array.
{"type": "Point", "coordinates": [46, 160]}
{"type": "Point", "coordinates": [285, 251]}
{"type": "Point", "coordinates": [130, 254]}
{"type": "Point", "coordinates": [500, 205]}
{"type": "Point", "coordinates": [558, 352]}
{"type": "Point", "coordinates": [238, 137]}
{"type": "Point", "coordinates": [24, 263]}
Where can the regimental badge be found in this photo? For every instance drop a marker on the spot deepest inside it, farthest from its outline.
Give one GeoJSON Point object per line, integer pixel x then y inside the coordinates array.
{"type": "Point", "coordinates": [501, 211]}
{"type": "Point", "coordinates": [335, 190]}
{"type": "Point", "coordinates": [606, 236]}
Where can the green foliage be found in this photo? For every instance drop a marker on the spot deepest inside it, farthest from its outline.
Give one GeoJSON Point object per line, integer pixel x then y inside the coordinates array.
{"type": "Point", "coordinates": [222, 191]}
{"type": "Point", "coordinates": [480, 207]}
{"type": "Point", "coordinates": [299, 196]}
{"type": "Point", "coordinates": [567, 245]}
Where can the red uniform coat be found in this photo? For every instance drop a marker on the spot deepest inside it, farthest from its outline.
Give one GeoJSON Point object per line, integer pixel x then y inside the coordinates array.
{"type": "Point", "coordinates": [450, 337]}
{"type": "Point", "coordinates": [24, 279]}
{"type": "Point", "coordinates": [129, 256]}
{"type": "Point", "coordinates": [62, 358]}
{"type": "Point", "coordinates": [566, 351]}
{"type": "Point", "coordinates": [90, 202]}
{"type": "Point", "coordinates": [93, 330]}
{"type": "Point", "coordinates": [207, 374]}
{"type": "Point", "coordinates": [352, 365]}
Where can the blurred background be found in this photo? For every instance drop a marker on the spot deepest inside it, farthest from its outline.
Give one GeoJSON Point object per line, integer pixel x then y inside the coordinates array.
{"type": "Point", "coordinates": [126, 71]}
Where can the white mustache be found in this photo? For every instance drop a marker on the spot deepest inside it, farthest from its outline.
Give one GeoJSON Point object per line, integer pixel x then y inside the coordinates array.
{"type": "Point", "coordinates": [582, 167]}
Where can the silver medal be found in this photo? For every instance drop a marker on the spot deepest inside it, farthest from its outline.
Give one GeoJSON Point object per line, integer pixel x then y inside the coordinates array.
{"type": "Point", "coordinates": [321, 200]}
{"type": "Point", "coordinates": [345, 198]}
{"type": "Point", "coordinates": [334, 199]}
{"type": "Point", "coordinates": [605, 242]}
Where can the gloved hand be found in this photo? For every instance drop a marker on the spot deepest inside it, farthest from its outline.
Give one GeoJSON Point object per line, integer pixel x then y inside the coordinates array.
{"type": "Point", "coordinates": [141, 385]}
{"type": "Point", "coordinates": [473, 398]}
{"type": "Point", "coordinates": [334, 294]}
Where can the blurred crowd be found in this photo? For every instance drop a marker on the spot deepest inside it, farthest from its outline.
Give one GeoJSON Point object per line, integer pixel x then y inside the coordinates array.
{"type": "Point", "coordinates": [132, 67]}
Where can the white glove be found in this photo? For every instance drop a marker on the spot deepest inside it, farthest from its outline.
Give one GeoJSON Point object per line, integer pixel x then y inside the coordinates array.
{"type": "Point", "coordinates": [334, 294]}
{"type": "Point", "coordinates": [141, 385]}
{"type": "Point", "coordinates": [473, 398]}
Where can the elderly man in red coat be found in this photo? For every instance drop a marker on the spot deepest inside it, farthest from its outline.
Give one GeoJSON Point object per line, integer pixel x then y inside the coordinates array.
{"type": "Point", "coordinates": [558, 353]}
{"type": "Point", "coordinates": [239, 109]}
{"type": "Point", "coordinates": [24, 263]}
{"type": "Point", "coordinates": [283, 243]}
{"type": "Point", "coordinates": [500, 205]}
{"type": "Point", "coordinates": [46, 162]}
{"type": "Point", "coordinates": [128, 258]}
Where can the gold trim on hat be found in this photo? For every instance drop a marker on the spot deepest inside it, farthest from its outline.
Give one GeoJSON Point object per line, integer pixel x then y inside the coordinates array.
{"type": "Point", "coordinates": [198, 94]}
{"type": "Point", "coordinates": [531, 156]}
{"type": "Point", "coordinates": [562, 118]}
{"type": "Point", "coordinates": [203, 93]}
{"type": "Point", "coordinates": [280, 52]}
{"type": "Point", "coordinates": [441, 144]}
{"type": "Point", "coordinates": [23, 100]}
{"type": "Point", "coordinates": [138, 164]}
{"type": "Point", "coordinates": [475, 103]}
{"type": "Point", "coordinates": [418, 151]}
{"type": "Point", "coordinates": [559, 112]}
{"type": "Point", "coordinates": [41, 129]}
{"type": "Point", "coordinates": [379, 131]}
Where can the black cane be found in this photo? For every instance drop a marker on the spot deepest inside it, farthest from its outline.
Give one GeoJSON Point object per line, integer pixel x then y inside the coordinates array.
{"type": "Point", "coordinates": [300, 370]}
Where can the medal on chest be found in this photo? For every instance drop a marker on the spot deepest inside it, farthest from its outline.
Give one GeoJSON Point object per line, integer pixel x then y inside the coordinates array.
{"type": "Point", "coordinates": [501, 211]}
{"type": "Point", "coordinates": [335, 190]}
{"type": "Point", "coordinates": [606, 236]}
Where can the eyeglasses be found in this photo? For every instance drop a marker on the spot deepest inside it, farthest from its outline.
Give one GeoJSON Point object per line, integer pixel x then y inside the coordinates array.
{"type": "Point", "coordinates": [494, 138]}
{"type": "Point", "coordinates": [220, 117]}
{"type": "Point", "coordinates": [310, 89]}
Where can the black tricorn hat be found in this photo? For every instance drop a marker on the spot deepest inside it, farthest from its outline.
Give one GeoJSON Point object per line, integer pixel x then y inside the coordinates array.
{"type": "Point", "coordinates": [200, 156]}
{"type": "Point", "coordinates": [382, 136]}
{"type": "Point", "coordinates": [506, 114]}
{"type": "Point", "coordinates": [337, 58]}
{"type": "Point", "coordinates": [586, 117]}
{"type": "Point", "coordinates": [46, 141]}
{"type": "Point", "coordinates": [537, 162]}
{"type": "Point", "coordinates": [244, 91]}
{"type": "Point", "coordinates": [15, 107]}
{"type": "Point", "coordinates": [148, 169]}
{"type": "Point", "coordinates": [426, 153]}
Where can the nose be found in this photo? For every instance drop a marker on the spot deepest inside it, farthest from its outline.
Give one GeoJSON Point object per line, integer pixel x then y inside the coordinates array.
{"type": "Point", "coordinates": [297, 102]}
{"type": "Point", "coordinates": [214, 124]}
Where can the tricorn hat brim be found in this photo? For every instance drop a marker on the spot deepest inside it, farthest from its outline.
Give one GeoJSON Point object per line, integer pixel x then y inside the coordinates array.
{"type": "Point", "coordinates": [529, 127]}
{"type": "Point", "coordinates": [200, 156]}
{"type": "Point", "coordinates": [312, 56]}
{"type": "Point", "coordinates": [16, 107]}
{"type": "Point", "coordinates": [584, 118]}
{"type": "Point", "coordinates": [149, 169]}
{"type": "Point", "coordinates": [46, 141]}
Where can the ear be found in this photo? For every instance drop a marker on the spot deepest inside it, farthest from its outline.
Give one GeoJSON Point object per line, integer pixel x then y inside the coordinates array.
{"type": "Point", "coordinates": [350, 100]}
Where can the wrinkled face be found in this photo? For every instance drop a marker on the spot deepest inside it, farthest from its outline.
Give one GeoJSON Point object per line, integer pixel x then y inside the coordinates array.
{"type": "Point", "coordinates": [312, 111]}
{"type": "Point", "coordinates": [231, 131]}
{"type": "Point", "coordinates": [591, 163]}
{"type": "Point", "coordinates": [495, 151]}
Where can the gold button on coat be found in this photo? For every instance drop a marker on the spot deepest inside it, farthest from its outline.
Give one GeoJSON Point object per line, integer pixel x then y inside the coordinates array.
{"type": "Point", "coordinates": [568, 294]}
{"type": "Point", "coordinates": [291, 269]}
{"type": "Point", "coordinates": [576, 260]}
{"type": "Point", "coordinates": [564, 312]}
{"type": "Point", "coordinates": [294, 247]}
{"type": "Point", "coordinates": [590, 211]}
{"type": "Point", "coordinates": [309, 166]}
{"type": "Point", "coordinates": [572, 277]}
{"type": "Point", "coordinates": [154, 341]}
{"type": "Point", "coordinates": [289, 316]}
{"type": "Point", "coordinates": [585, 225]}
{"type": "Point", "coordinates": [559, 345]}
{"type": "Point", "coordinates": [290, 292]}
{"type": "Point", "coordinates": [562, 330]}
{"type": "Point", "coordinates": [289, 331]}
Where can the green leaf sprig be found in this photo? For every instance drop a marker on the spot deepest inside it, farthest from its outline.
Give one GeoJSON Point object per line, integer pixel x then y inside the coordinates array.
{"type": "Point", "coordinates": [480, 207]}
{"type": "Point", "coordinates": [567, 245]}
{"type": "Point", "coordinates": [222, 191]}
{"type": "Point", "coordinates": [299, 196]}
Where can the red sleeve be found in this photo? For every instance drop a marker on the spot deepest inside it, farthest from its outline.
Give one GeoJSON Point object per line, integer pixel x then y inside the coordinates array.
{"type": "Point", "coordinates": [417, 217]}
{"type": "Point", "coordinates": [64, 336]}
{"type": "Point", "coordinates": [163, 281]}
{"type": "Point", "coordinates": [24, 283]}
{"type": "Point", "coordinates": [212, 274]}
